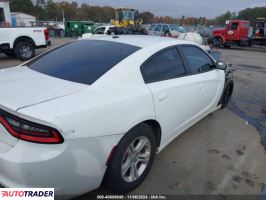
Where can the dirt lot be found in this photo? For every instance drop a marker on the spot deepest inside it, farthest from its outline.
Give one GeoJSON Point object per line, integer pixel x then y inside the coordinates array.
{"type": "Point", "coordinates": [224, 153]}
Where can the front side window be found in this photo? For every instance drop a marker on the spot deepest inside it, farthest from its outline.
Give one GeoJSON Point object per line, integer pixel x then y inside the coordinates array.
{"type": "Point", "coordinates": [197, 60]}
{"type": "Point", "coordinates": [82, 61]}
{"type": "Point", "coordinates": [151, 27]}
{"type": "Point", "coordinates": [234, 26]}
{"type": "Point", "coordinates": [158, 28]}
{"type": "Point", "coordinates": [163, 66]}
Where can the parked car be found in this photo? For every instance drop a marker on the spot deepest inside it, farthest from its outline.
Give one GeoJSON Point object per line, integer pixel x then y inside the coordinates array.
{"type": "Point", "coordinates": [100, 31]}
{"type": "Point", "coordinates": [166, 30]}
{"type": "Point", "coordinates": [73, 122]}
{"type": "Point", "coordinates": [22, 42]}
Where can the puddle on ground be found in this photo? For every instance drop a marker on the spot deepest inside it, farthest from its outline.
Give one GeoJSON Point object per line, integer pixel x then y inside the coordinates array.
{"type": "Point", "coordinates": [257, 122]}
{"type": "Point", "coordinates": [251, 68]}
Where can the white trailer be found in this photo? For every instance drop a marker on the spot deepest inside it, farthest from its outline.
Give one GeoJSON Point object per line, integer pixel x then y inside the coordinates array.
{"type": "Point", "coordinates": [23, 19]}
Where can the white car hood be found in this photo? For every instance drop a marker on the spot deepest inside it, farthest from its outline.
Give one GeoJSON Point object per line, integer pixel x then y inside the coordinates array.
{"type": "Point", "coordinates": [22, 87]}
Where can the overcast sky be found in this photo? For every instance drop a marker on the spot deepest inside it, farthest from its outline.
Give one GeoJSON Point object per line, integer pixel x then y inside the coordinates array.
{"type": "Point", "coordinates": [177, 8]}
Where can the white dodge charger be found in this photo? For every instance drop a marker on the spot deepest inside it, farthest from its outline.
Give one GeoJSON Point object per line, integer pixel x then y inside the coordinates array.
{"type": "Point", "coordinates": [97, 110]}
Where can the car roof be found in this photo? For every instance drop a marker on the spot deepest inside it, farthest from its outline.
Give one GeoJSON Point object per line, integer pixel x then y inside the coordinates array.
{"type": "Point", "coordinates": [141, 41]}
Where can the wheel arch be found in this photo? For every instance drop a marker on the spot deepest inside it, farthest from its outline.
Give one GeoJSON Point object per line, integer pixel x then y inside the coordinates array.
{"type": "Point", "coordinates": [228, 82]}
{"type": "Point", "coordinates": [156, 127]}
{"type": "Point", "coordinates": [23, 39]}
{"type": "Point", "coordinates": [220, 37]}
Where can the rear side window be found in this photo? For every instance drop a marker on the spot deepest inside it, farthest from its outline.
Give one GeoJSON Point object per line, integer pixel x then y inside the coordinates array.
{"type": "Point", "coordinates": [165, 29]}
{"type": "Point", "coordinates": [82, 61]}
{"type": "Point", "coordinates": [163, 66]}
{"type": "Point", "coordinates": [197, 60]}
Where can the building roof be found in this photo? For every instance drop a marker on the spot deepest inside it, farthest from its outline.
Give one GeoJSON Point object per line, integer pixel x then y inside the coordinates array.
{"type": "Point", "coordinates": [17, 13]}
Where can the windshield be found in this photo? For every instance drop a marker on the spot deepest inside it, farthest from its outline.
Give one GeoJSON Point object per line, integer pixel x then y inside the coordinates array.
{"type": "Point", "coordinates": [82, 61]}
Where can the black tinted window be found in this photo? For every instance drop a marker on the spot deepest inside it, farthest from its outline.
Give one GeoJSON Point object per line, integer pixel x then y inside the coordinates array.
{"type": "Point", "coordinates": [164, 66]}
{"type": "Point", "coordinates": [82, 61]}
{"type": "Point", "coordinates": [149, 73]}
{"type": "Point", "coordinates": [197, 59]}
{"type": "Point", "coordinates": [234, 26]}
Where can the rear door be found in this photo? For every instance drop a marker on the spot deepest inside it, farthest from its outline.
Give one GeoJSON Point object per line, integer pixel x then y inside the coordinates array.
{"type": "Point", "coordinates": [165, 30]}
{"type": "Point", "coordinates": [174, 92]}
{"type": "Point", "coordinates": [157, 30]}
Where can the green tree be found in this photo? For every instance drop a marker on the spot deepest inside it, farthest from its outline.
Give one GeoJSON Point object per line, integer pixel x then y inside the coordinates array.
{"type": "Point", "coordinates": [147, 17]}
{"type": "Point", "coordinates": [22, 6]}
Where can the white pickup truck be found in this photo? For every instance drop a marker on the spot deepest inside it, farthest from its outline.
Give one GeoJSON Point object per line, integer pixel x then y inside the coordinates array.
{"type": "Point", "coordinates": [22, 42]}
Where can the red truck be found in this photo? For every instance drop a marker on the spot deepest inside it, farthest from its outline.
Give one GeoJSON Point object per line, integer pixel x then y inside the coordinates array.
{"type": "Point", "coordinates": [241, 33]}
{"type": "Point", "coordinates": [236, 32]}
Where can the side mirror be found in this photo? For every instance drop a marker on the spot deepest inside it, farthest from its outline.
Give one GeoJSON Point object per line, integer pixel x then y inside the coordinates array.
{"type": "Point", "coordinates": [221, 65]}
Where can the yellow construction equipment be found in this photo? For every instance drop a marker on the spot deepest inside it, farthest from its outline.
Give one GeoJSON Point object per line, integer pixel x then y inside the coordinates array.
{"type": "Point", "coordinates": [128, 19]}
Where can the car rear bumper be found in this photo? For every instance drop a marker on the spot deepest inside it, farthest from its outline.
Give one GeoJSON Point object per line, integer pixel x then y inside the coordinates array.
{"type": "Point", "coordinates": [72, 168]}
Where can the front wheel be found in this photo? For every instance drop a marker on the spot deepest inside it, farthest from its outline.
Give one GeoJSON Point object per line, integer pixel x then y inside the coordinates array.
{"type": "Point", "coordinates": [24, 51]}
{"type": "Point", "coordinates": [217, 42]}
{"type": "Point", "coordinates": [132, 160]}
{"type": "Point", "coordinates": [227, 94]}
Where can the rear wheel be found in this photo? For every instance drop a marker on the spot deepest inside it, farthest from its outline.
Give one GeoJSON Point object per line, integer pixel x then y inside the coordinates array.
{"type": "Point", "coordinates": [24, 51]}
{"type": "Point", "coordinates": [132, 160]}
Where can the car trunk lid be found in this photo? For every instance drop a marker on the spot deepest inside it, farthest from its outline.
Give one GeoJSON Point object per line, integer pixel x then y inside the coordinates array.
{"type": "Point", "coordinates": [21, 87]}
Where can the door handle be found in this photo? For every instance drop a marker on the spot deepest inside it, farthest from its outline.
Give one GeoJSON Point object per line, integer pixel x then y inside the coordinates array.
{"type": "Point", "coordinates": [162, 97]}
{"type": "Point", "coordinates": [201, 87]}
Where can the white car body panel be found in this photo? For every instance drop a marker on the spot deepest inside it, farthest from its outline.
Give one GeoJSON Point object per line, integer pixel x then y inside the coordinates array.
{"type": "Point", "coordinates": [93, 118]}
{"type": "Point", "coordinates": [33, 86]}
{"type": "Point", "coordinates": [172, 97]}
{"type": "Point", "coordinates": [73, 176]}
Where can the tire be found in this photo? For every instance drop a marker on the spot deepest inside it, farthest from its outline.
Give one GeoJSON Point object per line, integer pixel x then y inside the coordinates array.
{"type": "Point", "coordinates": [24, 51]}
{"type": "Point", "coordinates": [121, 184]}
{"type": "Point", "coordinates": [9, 54]}
{"type": "Point", "coordinates": [217, 42]}
{"type": "Point", "coordinates": [167, 34]}
{"type": "Point", "coordinates": [227, 94]}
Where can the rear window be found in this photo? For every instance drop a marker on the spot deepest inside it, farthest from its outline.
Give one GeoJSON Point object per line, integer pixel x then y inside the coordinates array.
{"type": "Point", "coordinates": [82, 61]}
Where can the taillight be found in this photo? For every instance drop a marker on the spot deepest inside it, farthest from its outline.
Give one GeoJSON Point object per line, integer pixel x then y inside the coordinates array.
{"type": "Point", "coordinates": [46, 34]}
{"type": "Point", "coordinates": [29, 131]}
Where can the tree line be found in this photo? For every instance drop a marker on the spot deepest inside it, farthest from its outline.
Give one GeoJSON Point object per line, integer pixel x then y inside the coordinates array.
{"type": "Point", "coordinates": [73, 11]}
